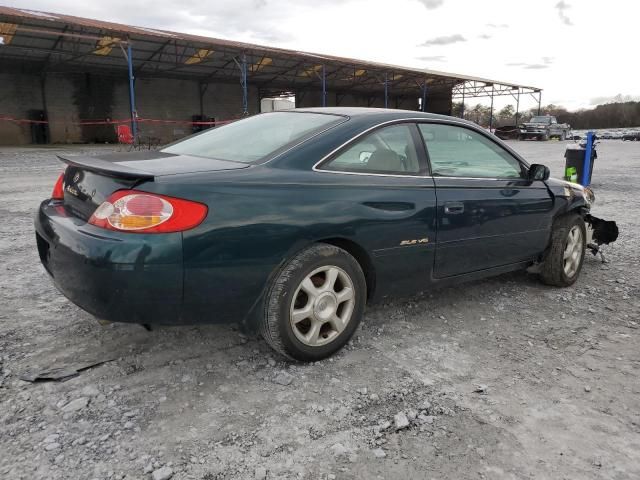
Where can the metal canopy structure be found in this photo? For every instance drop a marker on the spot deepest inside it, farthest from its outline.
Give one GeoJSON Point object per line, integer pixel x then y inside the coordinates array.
{"type": "Point", "coordinates": [55, 42]}
{"type": "Point", "coordinates": [476, 89]}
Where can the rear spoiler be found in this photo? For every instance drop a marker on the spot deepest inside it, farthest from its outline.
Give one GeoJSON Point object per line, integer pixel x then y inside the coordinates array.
{"type": "Point", "coordinates": [105, 167]}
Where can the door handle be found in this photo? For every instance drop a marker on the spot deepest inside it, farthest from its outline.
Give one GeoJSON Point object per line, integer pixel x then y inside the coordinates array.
{"type": "Point", "coordinates": [453, 208]}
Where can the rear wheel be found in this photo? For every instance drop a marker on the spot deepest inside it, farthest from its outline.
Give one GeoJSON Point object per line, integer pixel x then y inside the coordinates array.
{"type": "Point", "coordinates": [564, 259]}
{"type": "Point", "coordinates": [315, 303]}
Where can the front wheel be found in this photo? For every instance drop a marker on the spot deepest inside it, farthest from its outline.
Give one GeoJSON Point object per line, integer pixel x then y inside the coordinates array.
{"type": "Point", "coordinates": [314, 304]}
{"type": "Point", "coordinates": [563, 262]}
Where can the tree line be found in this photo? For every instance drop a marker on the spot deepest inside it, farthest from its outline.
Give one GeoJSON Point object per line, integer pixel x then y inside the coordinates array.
{"type": "Point", "coordinates": [608, 115]}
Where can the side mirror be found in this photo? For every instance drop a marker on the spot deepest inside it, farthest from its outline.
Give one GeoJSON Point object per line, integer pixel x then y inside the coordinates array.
{"type": "Point", "coordinates": [539, 172]}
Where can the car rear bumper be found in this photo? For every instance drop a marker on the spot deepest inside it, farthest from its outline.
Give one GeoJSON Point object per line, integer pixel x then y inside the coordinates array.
{"type": "Point", "coordinates": [121, 277]}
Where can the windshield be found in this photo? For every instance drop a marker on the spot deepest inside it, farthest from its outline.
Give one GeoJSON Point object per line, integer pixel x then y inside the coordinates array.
{"type": "Point", "coordinates": [255, 138]}
{"type": "Point", "coordinates": [541, 120]}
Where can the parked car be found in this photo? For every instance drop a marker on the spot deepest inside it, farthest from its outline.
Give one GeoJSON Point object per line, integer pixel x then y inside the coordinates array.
{"type": "Point", "coordinates": [631, 136]}
{"type": "Point", "coordinates": [290, 222]}
{"type": "Point", "coordinates": [544, 127]}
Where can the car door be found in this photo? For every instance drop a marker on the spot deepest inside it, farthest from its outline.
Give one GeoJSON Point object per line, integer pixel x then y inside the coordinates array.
{"type": "Point", "coordinates": [383, 176]}
{"type": "Point", "coordinates": [488, 213]}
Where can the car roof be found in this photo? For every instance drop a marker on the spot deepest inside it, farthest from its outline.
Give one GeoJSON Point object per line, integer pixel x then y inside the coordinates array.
{"type": "Point", "coordinates": [379, 114]}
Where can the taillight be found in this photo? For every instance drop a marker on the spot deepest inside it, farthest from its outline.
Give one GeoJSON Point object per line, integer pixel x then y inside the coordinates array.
{"type": "Point", "coordinates": [142, 212]}
{"type": "Point", "coordinates": [58, 188]}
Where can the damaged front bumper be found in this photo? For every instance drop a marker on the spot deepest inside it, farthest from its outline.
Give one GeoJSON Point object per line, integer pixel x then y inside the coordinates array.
{"type": "Point", "coordinates": [600, 232]}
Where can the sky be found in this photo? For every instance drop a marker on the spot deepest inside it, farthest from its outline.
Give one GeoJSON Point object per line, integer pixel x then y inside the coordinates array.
{"type": "Point", "coordinates": [580, 52]}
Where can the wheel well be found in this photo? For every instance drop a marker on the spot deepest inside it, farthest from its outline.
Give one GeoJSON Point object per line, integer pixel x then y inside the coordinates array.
{"type": "Point", "coordinates": [361, 256]}
{"type": "Point", "coordinates": [580, 210]}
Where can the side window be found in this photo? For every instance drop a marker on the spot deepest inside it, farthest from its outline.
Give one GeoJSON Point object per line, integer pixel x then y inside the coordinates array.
{"type": "Point", "coordinates": [389, 150]}
{"type": "Point", "coordinates": [460, 152]}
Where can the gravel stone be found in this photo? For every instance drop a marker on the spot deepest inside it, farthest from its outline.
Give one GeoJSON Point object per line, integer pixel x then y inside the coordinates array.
{"type": "Point", "coordinates": [90, 391]}
{"type": "Point", "coordinates": [283, 378]}
{"type": "Point", "coordinates": [75, 405]}
{"type": "Point", "coordinates": [379, 453]}
{"type": "Point", "coordinates": [338, 449]}
{"type": "Point", "coordinates": [400, 421]}
{"type": "Point", "coordinates": [164, 473]}
{"type": "Point", "coordinates": [51, 438]}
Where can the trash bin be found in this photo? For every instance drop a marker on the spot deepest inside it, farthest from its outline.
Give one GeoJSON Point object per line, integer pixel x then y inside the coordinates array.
{"type": "Point", "coordinates": [574, 163]}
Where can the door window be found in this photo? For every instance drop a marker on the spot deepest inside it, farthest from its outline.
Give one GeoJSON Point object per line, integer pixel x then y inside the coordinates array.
{"type": "Point", "coordinates": [388, 150]}
{"type": "Point", "coordinates": [461, 152]}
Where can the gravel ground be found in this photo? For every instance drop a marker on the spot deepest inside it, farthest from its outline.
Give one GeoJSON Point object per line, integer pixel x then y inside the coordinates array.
{"type": "Point", "coordinates": [501, 378]}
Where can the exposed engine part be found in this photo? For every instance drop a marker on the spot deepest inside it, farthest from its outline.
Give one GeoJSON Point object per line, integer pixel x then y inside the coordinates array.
{"type": "Point", "coordinates": [600, 232]}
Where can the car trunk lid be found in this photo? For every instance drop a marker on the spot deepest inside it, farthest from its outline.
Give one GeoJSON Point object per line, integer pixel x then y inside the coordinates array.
{"type": "Point", "coordinates": [89, 181]}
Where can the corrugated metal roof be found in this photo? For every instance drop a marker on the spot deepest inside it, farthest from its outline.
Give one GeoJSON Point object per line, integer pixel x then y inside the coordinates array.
{"type": "Point", "coordinates": [202, 56]}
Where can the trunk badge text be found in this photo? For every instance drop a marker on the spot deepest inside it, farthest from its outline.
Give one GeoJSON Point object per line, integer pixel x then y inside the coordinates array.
{"type": "Point", "coordinates": [72, 190]}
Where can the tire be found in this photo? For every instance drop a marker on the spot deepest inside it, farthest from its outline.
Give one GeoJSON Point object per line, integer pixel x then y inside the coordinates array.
{"type": "Point", "coordinates": [563, 136]}
{"type": "Point", "coordinates": [568, 239]}
{"type": "Point", "coordinates": [326, 316]}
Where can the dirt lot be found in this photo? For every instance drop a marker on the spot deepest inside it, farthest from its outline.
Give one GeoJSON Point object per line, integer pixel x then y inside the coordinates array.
{"type": "Point", "coordinates": [561, 370]}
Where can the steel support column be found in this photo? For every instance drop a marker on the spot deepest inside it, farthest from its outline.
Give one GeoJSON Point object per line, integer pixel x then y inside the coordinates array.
{"type": "Point", "coordinates": [243, 82]}
{"type": "Point", "coordinates": [462, 107]}
{"type": "Point", "coordinates": [424, 97]}
{"type": "Point", "coordinates": [517, 106]}
{"type": "Point", "coordinates": [324, 86]}
{"type": "Point", "coordinates": [202, 89]}
{"type": "Point", "coordinates": [386, 90]}
{"type": "Point", "coordinates": [491, 114]}
{"type": "Point", "coordinates": [132, 93]}
{"type": "Point", "coordinates": [539, 101]}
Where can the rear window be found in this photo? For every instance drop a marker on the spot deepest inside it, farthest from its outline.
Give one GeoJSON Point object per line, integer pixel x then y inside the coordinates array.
{"type": "Point", "coordinates": [257, 138]}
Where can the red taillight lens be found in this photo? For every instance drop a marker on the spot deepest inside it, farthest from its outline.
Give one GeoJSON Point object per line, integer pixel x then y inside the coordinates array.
{"type": "Point", "coordinates": [58, 188]}
{"type": "Point", "coordinates": [142, 212]}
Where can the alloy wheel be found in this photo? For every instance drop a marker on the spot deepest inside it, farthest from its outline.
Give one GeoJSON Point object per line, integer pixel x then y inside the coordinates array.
{"type": "Point", "coordinates": [573, 251]}
{"type": "Point", "coordinates": [322, 306]}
